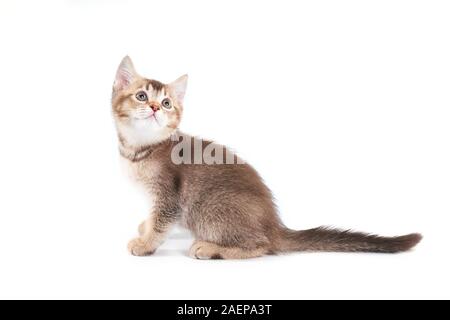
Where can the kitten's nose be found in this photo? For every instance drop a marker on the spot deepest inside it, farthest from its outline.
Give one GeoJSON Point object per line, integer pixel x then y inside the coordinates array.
{"type": "Point", "coordinates": [155, 106]}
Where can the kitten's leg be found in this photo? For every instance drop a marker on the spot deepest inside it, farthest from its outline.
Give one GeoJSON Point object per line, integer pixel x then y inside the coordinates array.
{"type": "Point", "coordinates": [152, 233]}
{"type": "Point", "coordinates": [209, 250]}
{"type": "Point", "coordinates": [141, 228]}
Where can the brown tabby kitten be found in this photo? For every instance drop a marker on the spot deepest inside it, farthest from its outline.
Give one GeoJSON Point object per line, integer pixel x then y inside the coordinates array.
{"type": "Point", "coordinates": [227, 207]}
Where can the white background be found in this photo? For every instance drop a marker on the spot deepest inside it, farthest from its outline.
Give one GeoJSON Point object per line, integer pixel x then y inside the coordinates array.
{"type": "Point", "coordinates": [342, 106]}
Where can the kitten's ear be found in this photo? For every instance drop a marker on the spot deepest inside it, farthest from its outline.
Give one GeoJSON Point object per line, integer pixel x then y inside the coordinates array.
{"type": "Point", "coordinates": [178, 87]}
{"type": "Point", "coordinates": [125, 74]}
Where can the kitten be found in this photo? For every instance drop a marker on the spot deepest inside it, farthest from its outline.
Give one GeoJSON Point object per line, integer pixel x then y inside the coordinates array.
{"type": "Point", "coordinates": [226, 207]}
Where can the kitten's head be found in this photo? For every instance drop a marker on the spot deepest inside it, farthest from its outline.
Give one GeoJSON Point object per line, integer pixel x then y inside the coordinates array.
{"type": "Point", "coordinates": [146, 111]}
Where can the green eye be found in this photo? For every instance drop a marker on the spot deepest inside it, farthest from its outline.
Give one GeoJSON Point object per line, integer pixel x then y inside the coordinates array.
{"type": "Point", "coordinates": [166, 103]}
{"type": "Point", "coordinates": [141, 96]}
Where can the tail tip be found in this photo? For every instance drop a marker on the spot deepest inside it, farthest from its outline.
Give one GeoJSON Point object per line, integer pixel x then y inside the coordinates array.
{"type": "Point", "coordinates": [409, 241]}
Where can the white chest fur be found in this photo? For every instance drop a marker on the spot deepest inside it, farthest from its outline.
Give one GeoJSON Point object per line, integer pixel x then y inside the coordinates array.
{"type": "Point", "coordinates": [141, 174]}
{"type": "Point", "coordinates": [129, 169]}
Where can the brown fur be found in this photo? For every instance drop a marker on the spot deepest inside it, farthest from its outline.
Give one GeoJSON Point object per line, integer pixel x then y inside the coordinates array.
{"type": "Point", "coordinates": [227, 207]}
{"type": "Point", "coordinates": [156, 85]}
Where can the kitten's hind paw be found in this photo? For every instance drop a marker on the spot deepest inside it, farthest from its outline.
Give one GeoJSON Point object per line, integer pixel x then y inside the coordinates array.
{"type": "Point", "coordinates": [207, 250]}
{"type": "Point", "coordinates": [138, 247]}
{"type": "Point", "coordinates": [204, 251]}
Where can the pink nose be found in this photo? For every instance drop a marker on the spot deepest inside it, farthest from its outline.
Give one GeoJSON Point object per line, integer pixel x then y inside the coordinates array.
{"type": "Point", "coordinates": [155, 106]}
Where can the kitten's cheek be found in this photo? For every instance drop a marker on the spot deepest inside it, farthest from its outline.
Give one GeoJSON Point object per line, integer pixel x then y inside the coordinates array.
{"type": "Point", "coordinates": [161, 117]}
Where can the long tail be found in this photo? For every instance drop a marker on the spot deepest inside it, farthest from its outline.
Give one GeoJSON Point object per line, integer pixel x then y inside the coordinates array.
{"type": "Point", "coordinates": [335, 240]}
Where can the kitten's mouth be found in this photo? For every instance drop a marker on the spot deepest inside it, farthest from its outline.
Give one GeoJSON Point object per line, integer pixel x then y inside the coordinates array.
{"type": "Point", "coordinates": [151, 117]}
{"type": "Point", "coordinates": [156, 120]}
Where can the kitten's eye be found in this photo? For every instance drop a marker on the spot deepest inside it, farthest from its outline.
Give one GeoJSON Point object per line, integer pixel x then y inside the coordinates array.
{"type": "Point", "coordinates": [166, 103]}
{"type": "Point", "coordinates": [141, 96]}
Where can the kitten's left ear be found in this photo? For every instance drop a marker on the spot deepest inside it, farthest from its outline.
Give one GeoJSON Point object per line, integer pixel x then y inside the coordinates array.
{"type": "Point", "coordinates": [178, 87]}
{"type": "Point", "coordinates": [125, 74]}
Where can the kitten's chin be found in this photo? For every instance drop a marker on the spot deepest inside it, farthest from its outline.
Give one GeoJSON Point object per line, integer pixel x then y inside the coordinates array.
{"type": "Point", "coordinates": [144, 132]}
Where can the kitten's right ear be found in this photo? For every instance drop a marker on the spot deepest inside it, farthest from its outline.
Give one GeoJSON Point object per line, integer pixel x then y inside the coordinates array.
{"type": "Point", "coordinates": [125, 74]}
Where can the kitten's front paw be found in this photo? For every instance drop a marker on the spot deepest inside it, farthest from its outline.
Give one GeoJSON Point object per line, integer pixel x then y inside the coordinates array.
{"type": "Point", "coordinates": [139, 247]}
